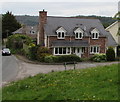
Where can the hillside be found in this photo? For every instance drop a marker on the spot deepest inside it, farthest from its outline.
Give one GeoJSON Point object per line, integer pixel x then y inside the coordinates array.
{"type": "Point", "coordinates": [33, 20]}
{"type": "Point", "coordinates": [100, 83]}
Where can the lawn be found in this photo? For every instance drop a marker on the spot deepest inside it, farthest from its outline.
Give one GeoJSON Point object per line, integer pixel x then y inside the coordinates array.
{"type": "Point", "coordinates": [100, 83]}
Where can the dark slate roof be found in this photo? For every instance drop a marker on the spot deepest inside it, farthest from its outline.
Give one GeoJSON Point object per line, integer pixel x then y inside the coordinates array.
{"type": "Point", "coordinates": [64, 43]}
{"type": "Point", "coordinates": [111, 40]}
{"type": "Point", "coordinates": [71, 23]}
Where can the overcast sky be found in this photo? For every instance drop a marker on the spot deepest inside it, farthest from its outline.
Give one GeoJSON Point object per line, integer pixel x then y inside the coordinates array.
{"type": "Point", "coordinates": [93, 7]}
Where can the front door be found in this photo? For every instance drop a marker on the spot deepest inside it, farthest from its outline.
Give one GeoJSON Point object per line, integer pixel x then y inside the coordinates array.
{"type": "Point", "coordinates": [78, 51]}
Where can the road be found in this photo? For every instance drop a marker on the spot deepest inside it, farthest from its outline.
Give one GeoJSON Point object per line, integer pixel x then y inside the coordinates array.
{"type": "Point", "coordinates": [10, 68]}
{"type": "Point", "coordinates": [15, 69]}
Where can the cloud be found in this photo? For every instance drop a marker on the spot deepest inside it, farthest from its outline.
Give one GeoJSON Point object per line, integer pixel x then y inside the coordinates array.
{"type": "Point", "coordinates": [61, 8]}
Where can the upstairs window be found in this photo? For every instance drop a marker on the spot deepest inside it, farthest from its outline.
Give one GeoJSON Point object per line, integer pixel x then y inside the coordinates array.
{"type": "Point", "coordinates": [78, 35]}
{"type": "Point", "coordinates": [32, 32]}
{"type": "Point", "coordinates": [61, 32]}
{"type": "Point", "coordinates": [95, 35]}
{"type": "Point", "coordinates": [61, 35]}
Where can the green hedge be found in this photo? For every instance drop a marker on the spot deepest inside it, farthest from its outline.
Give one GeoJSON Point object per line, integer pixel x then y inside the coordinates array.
{"type": "Point", "coordinates": [62, 58]}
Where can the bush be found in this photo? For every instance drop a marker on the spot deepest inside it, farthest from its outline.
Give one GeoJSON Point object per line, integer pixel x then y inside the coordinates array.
{"type": "Point", "coordinates": [68, 58]}
{"type": "Point", "coordinates": [41, 53]}
{"type": "Point", "coordinates": [32, 53]}
{"type": "Point", "coordinates": [16, 41]}
{"type": "Point", "coordinates": [110, 54]}
{"type": "Point", "coordinates": [18, 51]}
{"type": "Point", "coordinates": [62, 58]}
{"type": "Point", "coordinates": [49, 59]}
{"type": "Point", "coordinates": [98, 57]}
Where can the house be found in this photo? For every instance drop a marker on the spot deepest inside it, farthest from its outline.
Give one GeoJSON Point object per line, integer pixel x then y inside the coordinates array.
{"type": "Point", "coordinates": [113, 30]}
{"type": "Point", "coordinates": [69, 35]}
{"type": "Point", "coordinates": [28, 30]}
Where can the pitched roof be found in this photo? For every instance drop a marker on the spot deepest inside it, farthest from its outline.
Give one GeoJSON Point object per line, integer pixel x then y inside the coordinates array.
{"type": "Point", "coordinates": [27, 30]}
{"type": "Point", "coordinates": [72, 43]}
{"type": "Point", "coordinates": [71, 23]}
{"type": "Point", "coordinates": [111, 40]}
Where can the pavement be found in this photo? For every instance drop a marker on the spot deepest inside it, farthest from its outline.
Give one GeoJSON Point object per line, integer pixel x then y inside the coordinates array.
{"type": "Point", "coordinates": [24, 68]}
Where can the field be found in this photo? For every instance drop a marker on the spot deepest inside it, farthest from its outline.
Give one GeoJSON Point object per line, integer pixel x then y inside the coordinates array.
{"type": "Point", "coordinates": [100, 83]}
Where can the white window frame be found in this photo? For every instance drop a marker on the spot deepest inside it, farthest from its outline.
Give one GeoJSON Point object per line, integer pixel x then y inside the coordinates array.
{"type": "Point", "coordinates": [97, 48]}
{"type": "Point", "coordinates": [60, 31]}
{"type": "Point", "coordinates": [94, 36]}
{"type": "Point", "coordinates": [96, 33]}
{"type": "Point", "coordinates": [79, 33]}
{"type": "Point", "coordinates": [60, 35]}
{"type": "Point", "coordinates": [58, 48]}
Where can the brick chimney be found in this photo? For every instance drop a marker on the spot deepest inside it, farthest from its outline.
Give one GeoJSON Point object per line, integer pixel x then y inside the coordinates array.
{"type": "Point", "coordinates": [42, 22]}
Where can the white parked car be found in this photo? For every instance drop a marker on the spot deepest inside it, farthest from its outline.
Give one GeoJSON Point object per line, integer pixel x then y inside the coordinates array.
{"type": "Point", "coordinates": [6, 51]}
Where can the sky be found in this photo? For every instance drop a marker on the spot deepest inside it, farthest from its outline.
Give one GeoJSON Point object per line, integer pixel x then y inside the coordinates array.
{"type": "Point", "coordinates": [61, 8]}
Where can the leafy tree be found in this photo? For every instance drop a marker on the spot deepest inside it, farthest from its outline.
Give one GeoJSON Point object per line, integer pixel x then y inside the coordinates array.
{"type": "Point", "coordinates": [117, 16]}
{"type": "Point", "coordinates": [9, 24]}
{"type": "Point", "coordinates": [16, 41]}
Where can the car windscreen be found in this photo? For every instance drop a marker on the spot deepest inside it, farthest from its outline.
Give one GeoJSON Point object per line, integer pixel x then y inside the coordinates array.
{"type": "Point", "coordinates": [6, 50]}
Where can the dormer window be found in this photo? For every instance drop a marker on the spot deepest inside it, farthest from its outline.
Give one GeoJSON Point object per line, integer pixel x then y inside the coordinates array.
{"type": "Point", "coordinates": [95, 34]}
{"type": "Point", "coordinates": [78, 33]}
{"type": "Point", "coordinates": [61, 32]}
{"type": "Point", "coordinates": [32, 32]}
{"type": "Point", "coordinates": [61, 35]}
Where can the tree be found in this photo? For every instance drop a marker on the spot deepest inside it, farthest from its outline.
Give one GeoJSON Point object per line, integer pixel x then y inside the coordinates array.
{"type": "Point", "coordinates": [16, 41]}
{"type": "Point", "coordinates": [9, 24]}
{"type": "Point", "coordinates": [110, 54]}
{"type": "Point", "coordinates": [117, 16]}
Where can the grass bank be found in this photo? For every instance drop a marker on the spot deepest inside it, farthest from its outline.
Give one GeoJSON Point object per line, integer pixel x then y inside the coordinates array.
{"type": "Point", "coordinates": [100, 83]}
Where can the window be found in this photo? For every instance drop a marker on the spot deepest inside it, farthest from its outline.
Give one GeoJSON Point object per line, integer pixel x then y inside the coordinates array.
{"type": "Point", "coordinates": [61, 51]}
{"type": "Point", "coordinates": [64, 50]}
{"type": "Point", "coordinates": [83, 49]}
{"type": "Point", "coordinates": [78, 35]}
{"type": "Point", "coordinates": [94, 49]}
{"type": "Point", "coordinates": [32, 32]}
{"type": "Point", "coordinates": [61, 35]}
{"type": "Point", "coordinates": [95, 35]}
{"type": "Point", "coordinates": [56, 50]}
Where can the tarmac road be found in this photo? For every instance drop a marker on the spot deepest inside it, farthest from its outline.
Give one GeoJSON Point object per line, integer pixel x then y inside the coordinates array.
{"type": "Point", "coordinates": [9, 68]}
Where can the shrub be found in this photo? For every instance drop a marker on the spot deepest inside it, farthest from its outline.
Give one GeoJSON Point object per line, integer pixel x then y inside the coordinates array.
{"type": "Point", "coordinates": [62, 58]}
{"type": "Point", "coordinates": [98, 57]}
{"type": "Point", "coordinates": [32, 53]}
{"type": "Point", "coordinates": [49, 59]}
{"type": "Point", "coordinates": [42, 52]}
{"type": "Point", "coordinates": [16, 41]}
{"type": "Point", "coordinates": [68, 58]}
{"type": "Point", "coordinates": [110, 54]}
